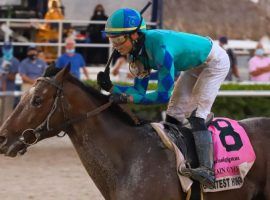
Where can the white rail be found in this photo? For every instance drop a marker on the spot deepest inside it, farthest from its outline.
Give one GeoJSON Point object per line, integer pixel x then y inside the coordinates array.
{"type": "Point", "coordinates": [224, 93]}
{"type": "Point", "coordinates": [62, 21]}
{"type": "Point", "coordinates": [244, 93]}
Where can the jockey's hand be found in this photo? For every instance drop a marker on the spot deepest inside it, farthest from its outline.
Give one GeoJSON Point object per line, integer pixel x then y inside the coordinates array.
{"type": "Point", "coordinates": [119, 98]}
{"type": "Point", "coordinates": [104, 81]}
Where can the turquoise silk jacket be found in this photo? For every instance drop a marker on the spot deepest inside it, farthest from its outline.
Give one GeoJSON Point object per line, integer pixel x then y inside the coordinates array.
{"type": "Point", "coordinates": [166, 51]}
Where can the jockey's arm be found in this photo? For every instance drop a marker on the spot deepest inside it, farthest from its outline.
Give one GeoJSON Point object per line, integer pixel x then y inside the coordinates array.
{"type": "Point", "coordinates": [165, 82]}
{"type": "Point", "coordinates": [136, 92]}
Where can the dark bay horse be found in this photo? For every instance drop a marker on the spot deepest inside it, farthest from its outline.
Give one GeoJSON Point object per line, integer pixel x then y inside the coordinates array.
{"type": "Point", "coordinates": [126, 162]}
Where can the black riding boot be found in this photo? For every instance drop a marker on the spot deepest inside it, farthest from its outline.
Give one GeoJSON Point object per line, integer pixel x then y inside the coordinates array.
{"type": "Point", "coordinates": [172, 120]}
{"type": "Point", "coordinates": [204, 148]}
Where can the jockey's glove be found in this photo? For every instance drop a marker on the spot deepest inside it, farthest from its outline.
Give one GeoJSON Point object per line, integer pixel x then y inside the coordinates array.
{"type": "Point", "coordinates": [104, 81]}
{"type": "Point", "coordinates": [119, 98]}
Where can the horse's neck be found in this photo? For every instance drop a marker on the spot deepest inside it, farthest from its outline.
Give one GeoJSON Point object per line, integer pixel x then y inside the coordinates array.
{"type": "Point", "coordinates": [99, 144]}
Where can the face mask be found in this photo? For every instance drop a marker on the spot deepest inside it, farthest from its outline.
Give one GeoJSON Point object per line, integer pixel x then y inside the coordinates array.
{"type": "Point", "coordinates": [70, 50]}
{"type": "Point", "coordinates": [32, 56]}
{"type": "Point", "coordinates": [99, 12]}
{"type": "Point", "coordinates": [259, 52]}
{"type": "Point", "coordinates": [7, 54]}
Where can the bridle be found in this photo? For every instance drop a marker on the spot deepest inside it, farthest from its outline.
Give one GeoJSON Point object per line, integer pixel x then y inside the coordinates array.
{"type": "Point", "coordinates": [45, 125]}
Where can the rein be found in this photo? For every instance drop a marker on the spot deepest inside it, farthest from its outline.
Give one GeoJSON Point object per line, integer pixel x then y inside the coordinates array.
{"type": "Point", "coordinates": [45, 125]}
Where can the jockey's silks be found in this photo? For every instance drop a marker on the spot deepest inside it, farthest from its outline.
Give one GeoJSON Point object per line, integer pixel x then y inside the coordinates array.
{"type": "Point", "coordinates": [167, 51]}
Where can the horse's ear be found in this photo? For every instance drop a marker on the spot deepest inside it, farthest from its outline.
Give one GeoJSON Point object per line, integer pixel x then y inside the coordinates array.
{"type": "Point", "coordinates": [51, 70]}
{"type": "Point", "coordinates": [63, 73]}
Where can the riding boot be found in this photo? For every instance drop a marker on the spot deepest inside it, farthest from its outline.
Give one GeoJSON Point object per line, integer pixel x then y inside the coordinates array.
{"type": "Point", "coordinates": [204, 148]}
{"type": "Point", "coordinates": [173, 120]}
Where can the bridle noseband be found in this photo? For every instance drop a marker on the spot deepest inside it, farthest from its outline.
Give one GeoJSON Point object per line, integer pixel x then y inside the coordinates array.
{"type": "Point", "coordinates": [45, 125]}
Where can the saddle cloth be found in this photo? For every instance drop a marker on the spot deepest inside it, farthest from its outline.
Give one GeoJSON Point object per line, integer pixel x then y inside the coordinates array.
{"type": "Point", "coordinates": [233, 154]}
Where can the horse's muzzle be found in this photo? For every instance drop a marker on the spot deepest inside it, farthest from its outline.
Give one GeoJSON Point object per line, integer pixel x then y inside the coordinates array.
{"type": "Point", "coordinates": [13, 149]}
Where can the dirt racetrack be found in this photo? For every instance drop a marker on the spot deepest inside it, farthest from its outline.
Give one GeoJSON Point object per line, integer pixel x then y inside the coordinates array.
{"type": "Point", "coordinates": [50, 170]}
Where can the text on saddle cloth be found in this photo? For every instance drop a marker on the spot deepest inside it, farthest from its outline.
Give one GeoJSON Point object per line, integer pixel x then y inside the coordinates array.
{"type": "Point", "coordinates": [233, 154]}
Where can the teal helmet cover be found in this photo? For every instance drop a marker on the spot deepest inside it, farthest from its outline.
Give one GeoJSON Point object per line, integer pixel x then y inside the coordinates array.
{"type": "Point", "coordinates": [124, 21]}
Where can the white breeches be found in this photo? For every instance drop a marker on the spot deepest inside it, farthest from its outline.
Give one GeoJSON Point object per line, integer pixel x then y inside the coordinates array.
{"type": "Point", "coordinates": [198, 87]}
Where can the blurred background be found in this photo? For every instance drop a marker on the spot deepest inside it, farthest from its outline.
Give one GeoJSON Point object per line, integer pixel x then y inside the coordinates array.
{"type": "Point", "coordinates": [42, 29]}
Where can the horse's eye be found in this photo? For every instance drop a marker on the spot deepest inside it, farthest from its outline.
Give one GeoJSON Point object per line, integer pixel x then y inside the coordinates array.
{"type": "Point", "coordinates": [36, 101]}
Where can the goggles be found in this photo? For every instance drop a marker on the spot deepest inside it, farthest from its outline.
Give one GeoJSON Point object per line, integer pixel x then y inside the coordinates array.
{"type": "Point", "coordinates": [119, 40]}
{"type": "Point", "coordinates": [138, 70]}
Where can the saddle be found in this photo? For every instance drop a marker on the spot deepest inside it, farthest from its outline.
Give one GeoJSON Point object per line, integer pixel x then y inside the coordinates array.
{"type": "Point", "coordinates": [183, 138]}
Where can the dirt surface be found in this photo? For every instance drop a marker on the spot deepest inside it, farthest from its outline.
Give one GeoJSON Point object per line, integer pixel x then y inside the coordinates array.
{"type": "Point", "coordinates": [50, 170]}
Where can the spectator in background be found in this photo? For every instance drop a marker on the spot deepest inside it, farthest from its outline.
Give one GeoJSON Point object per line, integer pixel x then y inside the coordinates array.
{"type": "Point", "coordinates": [39, 6]}
{"type": "Point", "coordinates": [49, 31]}
{"type": "Point", "coordinates": [54, 12]}
{"type": "Point", "coordinates": [223, 41]}
{"type": "Point", "coordinates": [259, 66]}
{"type": "Point", "coordinates": [96, 35]}
{"type": "Point", "coordinates": [41, 55]}
{"type": "Point", "coordinates": [8, 68]}
{"type": "Point", "coordinates": [31, 68]}
{"type": "Point", "coordinates": [75, 59]}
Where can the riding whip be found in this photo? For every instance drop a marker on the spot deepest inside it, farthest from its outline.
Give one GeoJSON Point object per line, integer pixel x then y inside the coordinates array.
{"type": "Point", "coordinates": [107, 68]}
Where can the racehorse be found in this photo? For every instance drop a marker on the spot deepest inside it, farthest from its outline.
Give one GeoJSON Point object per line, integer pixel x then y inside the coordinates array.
{"type": "Point", "coordinates": [125, 161]}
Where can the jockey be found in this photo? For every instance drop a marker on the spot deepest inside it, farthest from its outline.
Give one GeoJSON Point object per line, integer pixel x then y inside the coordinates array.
{"type": "Point", "coordinates": [204, 66]}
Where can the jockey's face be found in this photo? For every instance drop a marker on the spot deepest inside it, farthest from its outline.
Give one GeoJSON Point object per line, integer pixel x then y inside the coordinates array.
{"type": "Point", "coordinates": [122, 43]}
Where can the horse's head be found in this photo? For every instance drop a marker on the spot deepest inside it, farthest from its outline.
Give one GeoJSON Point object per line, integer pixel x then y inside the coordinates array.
{"type": "Point", "coordinates": [40, 110]}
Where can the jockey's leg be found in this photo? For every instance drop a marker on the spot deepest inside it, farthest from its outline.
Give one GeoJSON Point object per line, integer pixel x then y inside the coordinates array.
{"type": "Point", "coordinates": [179, 104]}
{"type": "Point", "coordinates": [173, 120]}
{"type": "Point", "coordinates": [203, 96]}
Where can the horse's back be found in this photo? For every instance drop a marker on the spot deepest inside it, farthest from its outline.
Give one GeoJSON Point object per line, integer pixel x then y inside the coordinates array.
{"type": "Point", "coordinates": [257, 125]}
{"type": "Point", "coordinates": [258, 130]}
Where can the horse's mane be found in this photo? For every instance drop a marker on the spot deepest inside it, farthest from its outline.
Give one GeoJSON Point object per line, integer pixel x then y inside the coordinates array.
{"type": "Point", "coordinates": [116, 109]}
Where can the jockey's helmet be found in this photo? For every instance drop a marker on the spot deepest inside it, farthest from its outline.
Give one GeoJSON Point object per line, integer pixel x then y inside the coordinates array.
{"type": "Point", "coordinates": [124, 21]}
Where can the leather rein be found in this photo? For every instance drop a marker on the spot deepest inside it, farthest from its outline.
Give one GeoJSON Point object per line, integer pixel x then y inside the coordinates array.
{"type": "Point", "coordinates": [45, 125]}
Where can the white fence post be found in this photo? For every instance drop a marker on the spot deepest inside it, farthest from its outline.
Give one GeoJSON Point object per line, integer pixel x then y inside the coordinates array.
{"type": "Point", "coordinates": [60, 34]}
